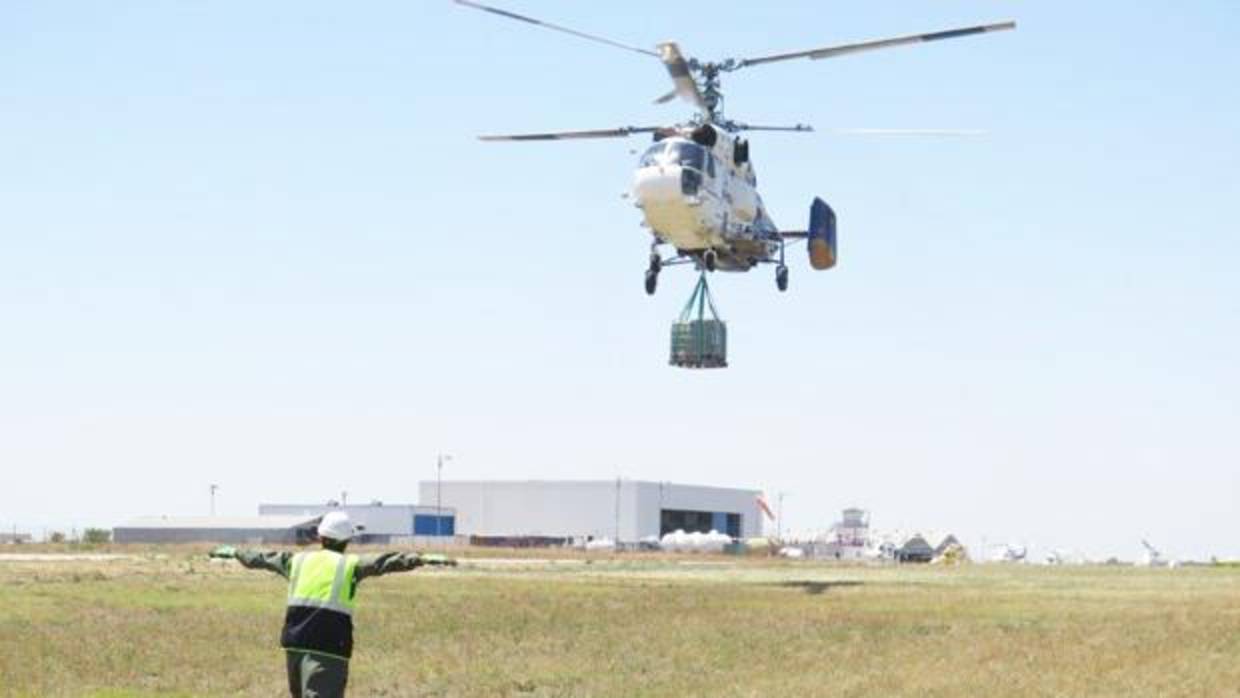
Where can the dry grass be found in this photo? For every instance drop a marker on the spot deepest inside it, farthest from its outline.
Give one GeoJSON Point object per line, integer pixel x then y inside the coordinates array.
{"type": "Point", "coordinates": [172, 624]}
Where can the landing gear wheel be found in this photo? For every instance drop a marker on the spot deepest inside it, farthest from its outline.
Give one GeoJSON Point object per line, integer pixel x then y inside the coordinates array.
{"type": "Point", "coordinates": [710, 260]}
{"type": "Point", "coordinates": [652, 281]}
{"type": "Point", "coordinates": [656, 262]}
{"type": "Point", "coordinates": [781, 277]}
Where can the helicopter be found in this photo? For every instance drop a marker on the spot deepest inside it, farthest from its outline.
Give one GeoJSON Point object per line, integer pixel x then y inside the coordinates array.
{"type": "Point", "coordinates": [695, 184]}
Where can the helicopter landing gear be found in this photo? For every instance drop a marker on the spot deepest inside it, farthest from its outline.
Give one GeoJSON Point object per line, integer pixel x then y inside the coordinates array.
{"type": "Point", "coordinates": [781, 270]}
{"type": "Point", "coordinates": [710, 260]}
{"type": "Point", "coordinates": [652, 272]}
{"type": "Point", "coordinates": [781, 277]}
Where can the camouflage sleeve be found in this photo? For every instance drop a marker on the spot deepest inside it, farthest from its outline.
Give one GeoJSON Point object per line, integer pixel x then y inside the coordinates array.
{"type": "Point", "coordinates": [277, 562]}
{"type": "Point", "coordinates": [377, 565]}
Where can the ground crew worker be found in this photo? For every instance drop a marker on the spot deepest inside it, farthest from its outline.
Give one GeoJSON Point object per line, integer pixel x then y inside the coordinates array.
{"type": "Point", "coordinates": [318, 624]}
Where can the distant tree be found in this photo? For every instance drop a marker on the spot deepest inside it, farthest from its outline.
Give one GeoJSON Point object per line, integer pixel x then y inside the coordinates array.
{"type": "Point", "coordinates": [97, 535]}
{"type": "Point", "coordinates": [57, 537]}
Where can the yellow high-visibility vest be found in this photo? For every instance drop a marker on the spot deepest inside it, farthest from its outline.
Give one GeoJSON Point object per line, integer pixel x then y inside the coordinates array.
{"type": "Point", "coordinates": [323, 579]}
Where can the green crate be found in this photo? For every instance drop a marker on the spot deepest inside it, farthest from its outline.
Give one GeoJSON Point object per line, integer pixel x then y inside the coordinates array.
{"type": "Point", "coordinates": [699, 344]}
{"type": "Point", "coordinates": [699, 340]}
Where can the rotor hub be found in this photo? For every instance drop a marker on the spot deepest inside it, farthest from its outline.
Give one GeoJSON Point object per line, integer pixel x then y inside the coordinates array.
{"type": "Point", "coordinates": [710, 85]}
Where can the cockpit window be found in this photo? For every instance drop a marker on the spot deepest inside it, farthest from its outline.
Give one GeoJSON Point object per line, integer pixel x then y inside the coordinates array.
{"type": "Point", "coordinates": [687, 154]}
{"type": "Point", "coordinates": [675, 153]}
{"type": "Point", "coordinates": [652, 155]}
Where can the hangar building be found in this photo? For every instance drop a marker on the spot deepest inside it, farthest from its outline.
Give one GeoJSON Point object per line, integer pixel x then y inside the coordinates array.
{"type": "Point", "coordinates": [625, 510]}
{"type": "Point", "coordinates": [378, 522]}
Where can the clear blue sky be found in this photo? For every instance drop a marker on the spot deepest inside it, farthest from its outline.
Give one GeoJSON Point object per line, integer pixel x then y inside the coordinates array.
{"type": "Point", "coordinates": [257, 244]}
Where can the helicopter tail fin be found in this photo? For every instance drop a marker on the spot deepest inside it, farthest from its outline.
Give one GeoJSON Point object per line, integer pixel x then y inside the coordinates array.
{"type": "Point", "coordinates": [821, 235]}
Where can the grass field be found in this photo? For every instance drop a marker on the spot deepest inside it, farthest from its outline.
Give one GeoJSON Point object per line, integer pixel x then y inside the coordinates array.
{"type": "Point", "coordinates": [175, 624]}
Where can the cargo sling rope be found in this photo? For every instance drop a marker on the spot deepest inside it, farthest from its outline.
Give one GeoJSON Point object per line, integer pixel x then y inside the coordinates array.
{"type": "Point", "coordinates": [699, 341]}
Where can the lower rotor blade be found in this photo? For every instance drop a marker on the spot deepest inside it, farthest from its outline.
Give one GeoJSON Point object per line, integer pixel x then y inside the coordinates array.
{"type": "Point", "coordinates": [805, 128]}
{"type": "Point", "coordinates": [570, 135]}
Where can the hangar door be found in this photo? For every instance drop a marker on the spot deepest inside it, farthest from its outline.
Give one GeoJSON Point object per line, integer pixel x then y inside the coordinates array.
{"type": "Point", "coordinates": [671, 520]}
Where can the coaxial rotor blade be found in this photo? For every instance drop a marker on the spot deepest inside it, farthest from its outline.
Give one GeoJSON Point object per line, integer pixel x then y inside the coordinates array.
{"type": "Point", "coordinates": [554, 27]}
{"type": "Point", "coordinates": [569, 135]}
{"type": "Point", "coordinates": [867, 131]}
{"type": "Point", "coordinates": [664, 99]}
{"type": "Point", "coordinates": [752, 127]}
{"type": "Point", "coordinates": [843, 49]}
{"type": "Point", "coordinates": [682, 78]}
{"type": "Point", "coordinates": [952, 132]}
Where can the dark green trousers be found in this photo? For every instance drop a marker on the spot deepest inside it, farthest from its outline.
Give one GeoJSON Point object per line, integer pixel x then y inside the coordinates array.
{"type": "Point", "coordinates": [313, 675]}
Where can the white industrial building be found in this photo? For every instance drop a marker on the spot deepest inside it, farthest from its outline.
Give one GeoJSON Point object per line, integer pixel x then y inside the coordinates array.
{"type": "Point", "coordinates": [378, 522]}
{"type": "Point", "coordinates": [624, 510]}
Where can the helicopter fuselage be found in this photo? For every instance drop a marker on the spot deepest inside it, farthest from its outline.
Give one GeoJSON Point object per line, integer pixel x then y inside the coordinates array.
{"type": "Point", "coordinates": [697, 192]}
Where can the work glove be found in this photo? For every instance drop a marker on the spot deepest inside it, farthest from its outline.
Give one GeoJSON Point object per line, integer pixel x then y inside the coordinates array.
{"type": "Point", "coordinates": [226, 552]}
{"type": "Point", "coordinates": [437, 559]}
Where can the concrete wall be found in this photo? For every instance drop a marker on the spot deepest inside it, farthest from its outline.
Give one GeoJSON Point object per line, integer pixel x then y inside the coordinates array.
{"type": "Point", "coordinates": [581, 508]}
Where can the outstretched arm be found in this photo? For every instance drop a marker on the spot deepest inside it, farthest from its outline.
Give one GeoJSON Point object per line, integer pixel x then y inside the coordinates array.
{"type": "Point", "coordinates": [377, 565]}
{"type": "Point", "coordinates": [272, 561]}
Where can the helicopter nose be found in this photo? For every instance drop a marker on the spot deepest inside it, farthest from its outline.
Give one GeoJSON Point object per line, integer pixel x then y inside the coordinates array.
{"type": "Point", "coordinates": [657, 185]}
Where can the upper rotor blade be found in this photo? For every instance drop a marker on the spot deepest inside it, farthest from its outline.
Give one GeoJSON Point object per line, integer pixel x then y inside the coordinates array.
{"type": "Point", "coordinates": [909, 131]}
{"type": "Point", "coordinates": [682, 78]}
{"type": "Point", "coordinates": [568, 135]}
{"type": "Point", "coordinates": [832, 51]}
{"type": "Point", "coordinates": [553, 27]}
{"type": "Point", "coordinates": [664, 99]}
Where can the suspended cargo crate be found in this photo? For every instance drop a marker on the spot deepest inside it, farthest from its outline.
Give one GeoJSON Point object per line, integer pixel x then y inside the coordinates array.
{"type": "Point", "coordinates": [699, 340]}
{"type": "Point", "coordinates": [700, 344]}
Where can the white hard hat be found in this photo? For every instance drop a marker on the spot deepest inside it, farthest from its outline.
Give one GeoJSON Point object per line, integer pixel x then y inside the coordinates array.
{"type": "Point", "coordinates": [336, 525]}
